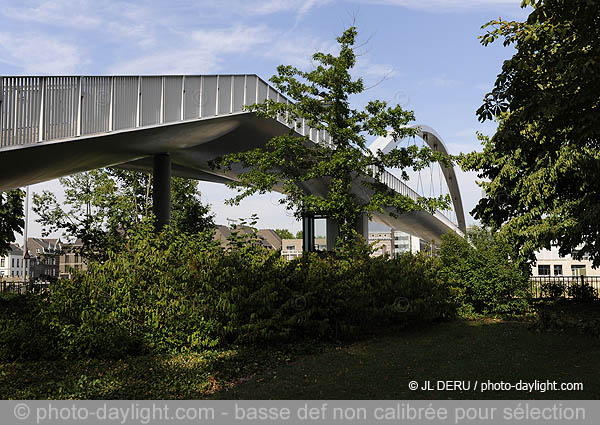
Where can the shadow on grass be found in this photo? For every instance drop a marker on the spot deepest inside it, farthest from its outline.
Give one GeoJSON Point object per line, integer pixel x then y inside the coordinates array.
{"type": "Point", "coordinates": [179, 376]}
{"type": "Point", "coordinates": [378, 368]}
{"type": "Point", "coordinates": [477, 351]}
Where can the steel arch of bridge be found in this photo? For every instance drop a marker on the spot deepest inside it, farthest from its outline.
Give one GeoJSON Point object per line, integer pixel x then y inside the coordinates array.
{"type": "Point", "coordinates": [435, 142]}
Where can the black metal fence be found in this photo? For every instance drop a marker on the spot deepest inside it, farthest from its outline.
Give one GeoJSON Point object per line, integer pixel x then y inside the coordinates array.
{"type": "Point", "coordinates": [578, 287]}
{"type": "Point", "coordinates": [18, 287]}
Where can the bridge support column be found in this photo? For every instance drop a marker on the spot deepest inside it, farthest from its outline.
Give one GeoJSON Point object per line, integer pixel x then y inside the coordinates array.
{"type": "Point", "coordinates": [332, 233]}
{"type": "Point", "coordinates": [161, 189]}
{"type": "Point", "coordinates": [362, 226]}
{"type": "Point", "coordinates": [308, 233]}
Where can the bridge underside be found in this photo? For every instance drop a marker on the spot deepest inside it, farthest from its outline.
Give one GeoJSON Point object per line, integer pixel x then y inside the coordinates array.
{"type": "Point", "coordinates": [191, 145]}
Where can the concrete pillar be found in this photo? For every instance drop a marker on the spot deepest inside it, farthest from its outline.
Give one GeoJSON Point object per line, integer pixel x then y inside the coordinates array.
{"type": "Point", "coordinates": [362, 226]}
{"type": "Point", "coordinates": [332, 233]}
{"type": "Point", "coordinates": [308, 233]}
{"type": "Point", "coordinates": [161, 189]}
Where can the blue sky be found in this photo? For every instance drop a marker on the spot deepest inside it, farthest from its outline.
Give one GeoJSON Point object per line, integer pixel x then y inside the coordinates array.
{"type": "Point", "coordinates": [423, 54]}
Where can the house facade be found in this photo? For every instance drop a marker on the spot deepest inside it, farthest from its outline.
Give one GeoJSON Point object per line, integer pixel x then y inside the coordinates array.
{"type": "Point", "coordinates": [292, 248]}
{"type": "Point", "coordinates": [12, 264]}
{"type": "Point", "coordinates": [71, 259]}
{"type": "Point", "coordinates": [394, 242]}
{"type": "Point", "coordinates": [550, 263]}
{"type": "Point", "coordinates": [44, 258]}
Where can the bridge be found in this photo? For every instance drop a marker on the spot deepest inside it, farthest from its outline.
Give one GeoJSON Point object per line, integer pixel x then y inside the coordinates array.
{"type": "Point", "coordinates": [53, 126]}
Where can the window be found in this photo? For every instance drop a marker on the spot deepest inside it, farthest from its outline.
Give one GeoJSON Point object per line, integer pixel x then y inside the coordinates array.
{"type": "Point", "coordinates": [12, 263]}
{"type": "Point", "coordinates": [290, 247]}
{"type": "Point", "coordinates": [578, 270]}
{"type": "Point", "coordinates": [17, 262]}
{"type": "Point", "coordinates": [544, 270]}
{"type": "Point", "coordinates": [2, 262]}
{"type": "Point", "coordinates": [558, 270]}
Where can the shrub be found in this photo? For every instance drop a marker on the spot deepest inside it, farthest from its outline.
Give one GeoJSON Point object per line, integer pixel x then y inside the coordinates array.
{"type": "Point", "coordinates": [569, 315]}
{"type": "Point", "coordinates": [582, 291]}
{"type": "Point", "coordinates": [176, 292]}
{"type": "Point", "coordinates": [484, 273]}
{"type": "Point", "coordinates": [24, 335]}
{"type": "Point", "coordinates": [553, 289]}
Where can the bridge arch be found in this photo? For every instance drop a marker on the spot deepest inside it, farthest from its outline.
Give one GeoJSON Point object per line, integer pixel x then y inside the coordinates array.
{"type": "Point", "coordinates": [435, 143]}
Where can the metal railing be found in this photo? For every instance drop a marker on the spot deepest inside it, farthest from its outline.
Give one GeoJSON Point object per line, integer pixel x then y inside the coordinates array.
{"type": "Point", "coordinates": [564, 286]}
{"type": "Point", "coordinates": [36, 109]}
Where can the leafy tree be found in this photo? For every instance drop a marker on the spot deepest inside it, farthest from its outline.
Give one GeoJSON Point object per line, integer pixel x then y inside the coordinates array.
{"type": "Point", "coordinates": [542, 166]}
{"type": "Point", "coordinates": [284, 233]}
{"type": "Point", "coordinates": [188, 214]}
{"type": "Point", "coordinates": [11, 217]}
{"type": "Point", "coordinates": [486, 271]}
{"type": "Point", "coordinates": [322, 97]}
{"type": "Point", "coordinates": [102, 205]}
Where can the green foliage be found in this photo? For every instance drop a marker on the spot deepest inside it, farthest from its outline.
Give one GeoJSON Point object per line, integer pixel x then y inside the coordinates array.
{"type": "Point", "coordinates": [102, 205]}
{"type": "Point", "coordinates": [582, 291]}
{"type": "Point", "coordinates": [542, 179]}
{"type": "Point", "coordinates": [175, 292]}
{"type": "Point", "coordinates": [24, 334]}
{"type": "Point", "coordinates": [322, 98]}
{"type": "Point", "coordinates": [284, 233]}
{"type": "Point", "coordinates": [485, 273]}
{"type": "Point", "coordinates": [553, 289]}
{"type": "Point", "coordinates": [579, 315]}
{"type": "Point", "coordinates": [11, 217]}
{"type": "Point", "coordinates": [188, 214]}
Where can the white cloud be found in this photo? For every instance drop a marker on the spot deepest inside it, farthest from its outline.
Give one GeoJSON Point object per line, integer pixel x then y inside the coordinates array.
{"type": "Point", "coordinates": [467, 132]}
{"type": "Point", "coordinates": [376, 70]}
{"type": "Point", "coordinates": [444, 82]}
{"type": "Point", "coordinates": [446, 5]}
{"type": "Point", "coordinates": [63, 13]}
{"type": "Point", "coordinates": [297, 49]}
{"type": "Point", "coordinates": [440, 81]}
{"type": "Point", "coordinates": [203, 52]}
{"type": "Point", "coordinates": [269, 7]}
{"type": "Point", "coordinates": [484, 87]}
{"type": "Point", "coordinates": [271, 214]}
{"type": "Point", "coordinates": [39, 54]}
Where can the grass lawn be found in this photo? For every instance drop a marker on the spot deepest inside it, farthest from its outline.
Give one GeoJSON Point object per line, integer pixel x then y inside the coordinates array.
{"type": "Point", "coordinates": [378, 368]}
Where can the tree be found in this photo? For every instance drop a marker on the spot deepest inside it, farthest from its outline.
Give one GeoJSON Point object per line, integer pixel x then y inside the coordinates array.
{"type": "Point", "coordinates": [322, 98]}
{"type": "Point", "coordinates": [284, 233]}
{"type": "Point", "coordinates": [542, 166]}
{"type": "Point", "coordinates": [486, 272]}
{"type": "Point", "coordinates": [102, 205]}
{"type": "Point", "coordinates": [188, 214]}
{"type": "Point", "coordinates": [11, 218]}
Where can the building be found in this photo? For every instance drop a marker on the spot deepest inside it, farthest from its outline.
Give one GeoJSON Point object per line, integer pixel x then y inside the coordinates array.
{"type": "Point", "coordinates": [11, 265]}
{"type": "Point", "coordinates": [270, 238]}
{"type": "Point", "coordinates": [390, 242]}
{"type": "Point", "coordinates": [292, 248]}
{"type": "Point", "coordinates": [44, 258]}
{"type": "Point", "coordinates": [264, 237]}
{"type": "Point", "coordinates": [383, 242]}
{"type": "Point", "coordinates": [550, 263]}
{"type": "Point", "coordinates": [71, 259]}
{"type": "Point", "coordinates": [394, 242]}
